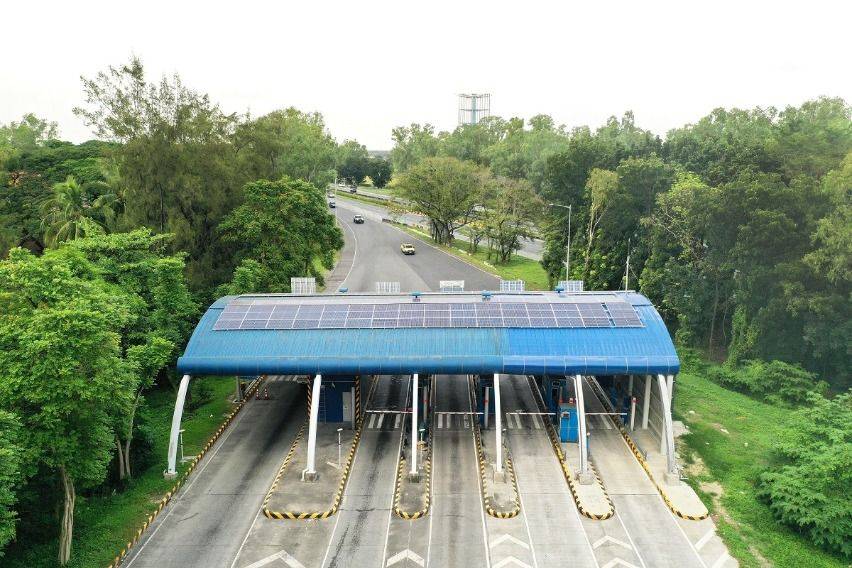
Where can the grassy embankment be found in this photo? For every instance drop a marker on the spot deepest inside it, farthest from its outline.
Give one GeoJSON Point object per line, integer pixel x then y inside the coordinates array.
{"type": "Point", "coordinates": [729, 444]}
{"type": "Point", "coordinates": [104, 524]}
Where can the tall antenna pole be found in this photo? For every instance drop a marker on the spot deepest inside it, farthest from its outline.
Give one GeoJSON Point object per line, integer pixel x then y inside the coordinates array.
{"type": "Point", "coordinates": [627, 268]}
{"type": "Point", "coordinates": [568, 254]}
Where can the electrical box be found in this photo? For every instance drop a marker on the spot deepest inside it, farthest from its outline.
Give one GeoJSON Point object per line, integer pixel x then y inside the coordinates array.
{"type": "Point", "coordinates": [569, 425]}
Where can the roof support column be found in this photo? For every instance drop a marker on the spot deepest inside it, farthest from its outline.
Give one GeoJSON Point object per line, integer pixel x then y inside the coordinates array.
{"type": "Point", "coordinates": [668, 435]}
{"type": "Point", "coordinates": [310, 474]}
{"type": "Point", "coordinates": [171, 472]}
{"type": "Point", "coordinates": [414, 448]}
{"type": "Point", "coordinates": [646, 402]}
{"type": "Point", "coordinates": [581, 438]}
{"type": "Point", "coordinates": [498, 430]}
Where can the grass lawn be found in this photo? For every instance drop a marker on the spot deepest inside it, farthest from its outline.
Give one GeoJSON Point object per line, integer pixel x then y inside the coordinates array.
{"type": "Point", "coordinates": [104, 524]}
{"type": "Point", "coordinates": [733, 460]}
{"type": "Point", "coordinates": [519, 268]}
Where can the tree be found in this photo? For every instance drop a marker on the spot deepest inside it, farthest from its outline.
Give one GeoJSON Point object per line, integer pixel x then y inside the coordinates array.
{"type": "Point", "coordinates": [286, 142]}
{"type": "Point", "coordinates": [353, 162]}
{"type": "Point", "coordinates": [162, 309]}
{"type": "Point", "coordinates": [11, 475]}
{"type": "Point", "coordinates": [471, 141]}
{"type": "Point", "coordinates": [177, 161]}
{"type": "Point", "coordinates": [411, 145]}
{"type": "Point", "coordinates": [446, 190]}
{"type": "Point", "coordinates": [510, 211]}
{"type": "Point", "coordinates": [601, 188]}
{"type": "Point", "coordinates": [379, 170]}
{"type": "Point", "coordinates": [69, 212]}
{"type": "Point", "coordinates": [808, 485]}
{"type": "Point", "coordinates": [62, 368]}
{"type": "Point", "coordinates": [282, 229]}
{"type": "Point", "coordinates": [28, 134]}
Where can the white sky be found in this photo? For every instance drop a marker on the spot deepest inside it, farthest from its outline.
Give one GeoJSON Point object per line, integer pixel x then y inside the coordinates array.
{"type": "Point", "coordinates": [370, 66]}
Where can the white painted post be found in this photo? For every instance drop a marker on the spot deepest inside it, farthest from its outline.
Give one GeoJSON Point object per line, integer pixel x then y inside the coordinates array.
{"type": "Point", "coordinates": [668, 435]}
{"type": "Point", "coordinates": [498, 426]}
{"type": "Point", "coordinates": [485, 406]}
{"type": "Point", "coordinates": [581, 421]}
{"type": "Point", "coordinates": [646, 402]}
{"type": "Point", "coordinates": [630, 386]}
{"type": "Point", "coordinates": [670, 388]}
{"type": "Point", "coordinates": [414, 426]}
{"type": "Point", "coordinates": [310, 471]}
{"type": "Point", "coordinates": [632, 412]}
{"type": "Point", "coordinates": [175, 434]}
{"type": "Point", "coordinates": [425, 401]}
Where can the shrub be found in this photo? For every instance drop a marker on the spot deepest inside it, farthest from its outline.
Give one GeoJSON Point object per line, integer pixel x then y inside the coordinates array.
{"type": "Point", "coordinates": [810, 485]}
{"type": "Point", "coordinates": [774, 381]}
{"type": "Point", "coordinates": [200, 393]}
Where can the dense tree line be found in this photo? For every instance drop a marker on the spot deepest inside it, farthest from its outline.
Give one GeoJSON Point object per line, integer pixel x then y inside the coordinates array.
{"type": "Point", "coordinates": [108, 250]}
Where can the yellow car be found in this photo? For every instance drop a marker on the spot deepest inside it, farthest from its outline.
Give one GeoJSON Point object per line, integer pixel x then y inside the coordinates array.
{"type": "Point", "coordinates": [407, 248]}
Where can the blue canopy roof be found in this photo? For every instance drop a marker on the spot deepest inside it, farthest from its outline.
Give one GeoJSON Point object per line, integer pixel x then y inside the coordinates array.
{"type": "Point", "coordinates": [453, 350]}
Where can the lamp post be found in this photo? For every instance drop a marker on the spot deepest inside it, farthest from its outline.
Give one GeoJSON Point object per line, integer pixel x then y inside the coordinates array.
{"type": "Point", "coordinates": [568, 253]}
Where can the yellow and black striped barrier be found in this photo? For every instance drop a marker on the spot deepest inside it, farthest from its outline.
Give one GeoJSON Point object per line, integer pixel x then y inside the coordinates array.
{"type": "Point", "coordinates": [341, 487]}
{"type": "Point", "coordinates": [397, 509]}
{"type": "Point", "coordinates": [182, 479]}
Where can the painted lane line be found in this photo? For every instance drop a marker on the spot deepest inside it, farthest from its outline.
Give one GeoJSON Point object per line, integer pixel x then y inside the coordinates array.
{"type": "Point", "coordinates": [397, 421]}
{"type": "Point", "coordinates": [479, 484]}
{"type": "Point", "coordinates": [618, 562]}
{"type": "Point", "coordinates": [511, 561]}
{"type": "Point", "coordinates": [379, 423]}
{"type": "Point", "coordinates": [606, 538]}
{"type": "Point", "coordinates": [635, 548]}
{"type": "Point", "coordinates": [704, 539]}
{"type": "Point", "coordinates": [720, 561]}
{"type": "Point", "coordinates": [440, 420]}
{"type": "Point", "coordinates": [354, 253]}
{"type": "Point", "coordinates": [537, 422]}
{"type": "Point", "coordinates": [406, 555]}
{"type": "Point", "coordinates": [283, 555]}
{"type": "Point", "coordinates": [434, 493]}
{"type": "Point", "coordinates": [372, 420]}
{"type": "Point", "coordinates": [394, 480]}
{"type": "Point", "coordinates": [508, 538]}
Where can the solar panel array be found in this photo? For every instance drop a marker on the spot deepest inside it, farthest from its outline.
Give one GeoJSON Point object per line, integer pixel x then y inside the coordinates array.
{"type": "Point", "coordinates": [266, 315]}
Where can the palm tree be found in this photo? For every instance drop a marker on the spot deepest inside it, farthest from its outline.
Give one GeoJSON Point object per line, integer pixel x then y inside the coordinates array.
{"type": "Point", "coordinates": [68, 213]}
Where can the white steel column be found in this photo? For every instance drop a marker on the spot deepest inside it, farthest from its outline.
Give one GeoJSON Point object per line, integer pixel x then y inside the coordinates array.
{"type": "Point", "coordinates": [310, 471]}
{"type": "Point", "coordinates": [668, 435]}
{"type": "Point", "coordinates": [581, 422]}
{"type": "Point", "coordinates": [646, 402]}
{"type": "Point", "coordinates": [485, 406]}
{"type": "Point", "coordinates": [175, 433]}
{"type": "Point", "coordinates": [498, 424]}
{"type": "Point", "coordinates": [414, 432]}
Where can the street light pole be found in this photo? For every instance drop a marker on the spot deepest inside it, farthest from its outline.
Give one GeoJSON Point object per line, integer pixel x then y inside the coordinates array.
{"type": "Point", "coordinates": [568, 253]}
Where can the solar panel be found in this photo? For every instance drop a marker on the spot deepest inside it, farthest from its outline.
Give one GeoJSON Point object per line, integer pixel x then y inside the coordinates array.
{"type": "Point", "coordinates": [269, 315]}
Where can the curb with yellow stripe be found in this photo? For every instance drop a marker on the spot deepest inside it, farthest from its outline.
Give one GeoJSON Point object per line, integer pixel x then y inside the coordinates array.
{"type": "Point", "coordinates": [341, 487]}
{"type": "Point", "coordinates": [486, 498]}
{"type": "Point", "coordinates": [568, 474]}
{"type": "Point", "coordinates": [641, 459]}
{"type": "Point", "coordinates": [182, 479]}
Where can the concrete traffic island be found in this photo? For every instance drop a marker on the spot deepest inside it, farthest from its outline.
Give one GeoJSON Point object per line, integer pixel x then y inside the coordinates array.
{"type": "Point", "coordinates": [413, 493]}
{"type": "Point", "coordinates": [499, 488]}
{"type": "Point", "coordinates": [678, 495]}
{"type": "Point", "coordinates": [591, 497]}
{"type": "Point", "coordinates": [292, 497]}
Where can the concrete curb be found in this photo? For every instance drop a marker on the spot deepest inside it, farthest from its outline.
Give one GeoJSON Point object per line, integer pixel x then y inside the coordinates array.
{"type": "Point", "coordinates": [341, 487]}
{"type": "Point", "coordinates": [410, 516]}
{"type": "Point", "coordinates": [569, 475]}
{"type": "Point", "coordinates": [640, 458]}
{"type": "Point", "coordinates": [486, 498]}
{"type": "Point", "coordinates": [182, 479]}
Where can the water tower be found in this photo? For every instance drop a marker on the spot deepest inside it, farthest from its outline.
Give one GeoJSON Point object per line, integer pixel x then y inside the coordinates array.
{"type": "Point", "coordinates": [473, 107]}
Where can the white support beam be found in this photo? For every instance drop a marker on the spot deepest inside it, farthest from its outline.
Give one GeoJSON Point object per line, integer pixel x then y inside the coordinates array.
{"type": "Point", "coordinates": [498, 424]}
{"type": "Point", "coordinates": [310, 471]}
{"type": "Point", "coordinates": [414, 433]}
{"type": "Point", "coordinates": [175, 433]}
{"type": "Point", "coordinates": [646, 402]}
{"type": "Point", "coordinates": [668, 434]}
{"type": "Point", "coordinates": [581, 421]}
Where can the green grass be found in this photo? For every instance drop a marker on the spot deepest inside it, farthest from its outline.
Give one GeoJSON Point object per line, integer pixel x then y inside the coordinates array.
{"type": "Point", "coordinates": [104, 524]}
{"type": "Point", "coordinates": [735, 459]}
{"type": "Point", "coordinates": [518, 268]}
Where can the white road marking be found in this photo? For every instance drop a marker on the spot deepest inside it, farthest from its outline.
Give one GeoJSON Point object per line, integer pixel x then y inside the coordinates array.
{"type": "Point", "coordinates": [372, 420]}
{"type": "Point", "coordinates": [354, 253]}
{"type": "Point", "coordinates": [379, 423]}
{"type": "Point", "coordinates": [606, 422]}
{"type": "Point", "coordinates": [392, 492]}
{"type": "Point", "coordinates": [635, 548]}
{"type": "Point", "coordinates": [606, 538]}
{"type": "Point", "coordinates": [440, 420]}
{"type": "Point", "coordinates": [619, 562]}
{"type": "Point", "coordinates": [434, 473]}
{"type": "Point", "coordinates": [397, 421]}
{"type": "Point", "coordinates": [704, 539]}
{"type": "Point", "coordinates": [536, 422]}
{"type": "Point", "coordinates": [507, 537]}
{"type": "Point", "coordinates": [511, 561]}
{"type": "Point", "coordinates": [479, 483]}
{"type": "Point", "coordinates": [283, 555]}
{"type": "Point", "coordinates": [518, 422]}
{"type": "Point", "coordinates": [406, 555]}
{"type": "Point", "coordinates": [186, 488]}
{"type": "Point", "coordinates": [720, 561]}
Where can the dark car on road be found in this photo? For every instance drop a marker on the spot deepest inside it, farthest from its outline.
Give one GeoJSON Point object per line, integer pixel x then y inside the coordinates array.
{"type": "Point", "coordinates": [358, 219]}
{"type": "Point", "coordinates": [332, 204]}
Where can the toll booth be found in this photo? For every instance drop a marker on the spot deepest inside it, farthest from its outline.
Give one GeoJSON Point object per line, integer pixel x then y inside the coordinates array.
{"type": "Point", "coordinates": [554, 391]}
{"type": "Point", "coordinates": [569, 423]}
{"type": "Point", "coordinates": [485, 399]}
{"type": "Point", "coordinates": [337, 399]}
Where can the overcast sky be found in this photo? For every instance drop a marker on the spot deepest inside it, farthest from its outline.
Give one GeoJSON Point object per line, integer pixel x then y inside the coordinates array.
{"type": "Point", "coordinates": [370, 66]}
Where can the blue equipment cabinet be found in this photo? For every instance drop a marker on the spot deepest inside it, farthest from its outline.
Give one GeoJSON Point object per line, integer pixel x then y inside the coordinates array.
{"type": "Point", "coordinates": [569, 426]}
